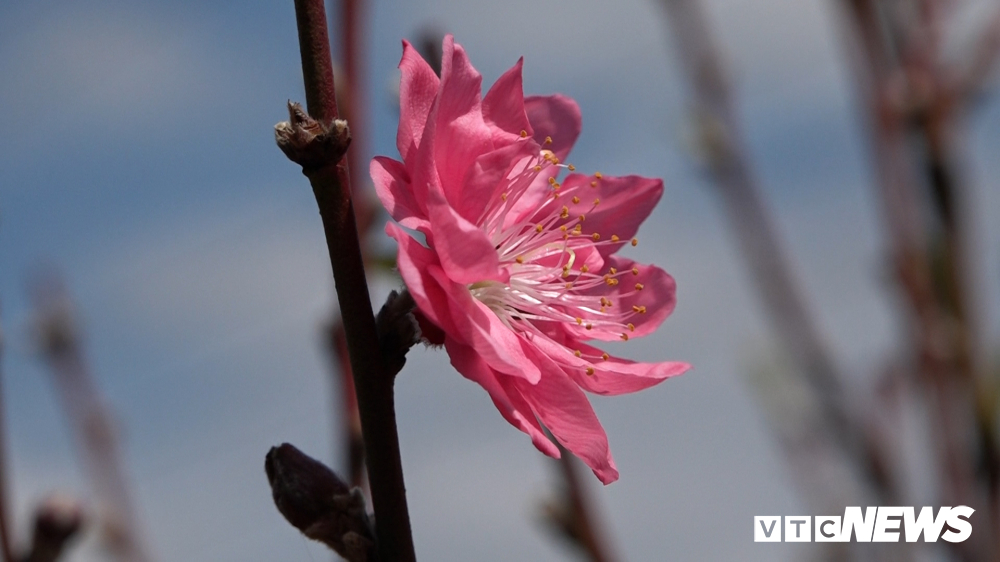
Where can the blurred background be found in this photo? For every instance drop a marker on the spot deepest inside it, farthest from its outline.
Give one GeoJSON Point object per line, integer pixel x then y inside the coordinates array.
{"type": "Point", "coordinates": [137, 159]}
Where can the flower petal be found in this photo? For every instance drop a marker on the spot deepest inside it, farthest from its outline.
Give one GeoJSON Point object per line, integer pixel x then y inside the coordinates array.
{"type": "Point", "coordinates": [624, 202]}
{"type": "Point", "coordinates": [557, 117]}
{"type": "Point", "coordinates": [459, 134]}
{"type": "Point", "coordinates": [392, 184]}
{"type": "Point", "coordinates": [414, 263]}
{"type": "Point", "coordinates": [486, 175]}
{"type": "Point", "coordinates": [478, 327]}
{"type": "Point", "coordinates": [418, 88]}
{"type": "Point", "coordinates": [611, 376]}
{"type": "Point", "coordinates": [511, 406]}
{"type": "Point", "coordinates": [652, 291]}
{"type": "Point", "coordinates": [563, 408]}
{"type": "Point", "coordinates": [503, 107]}
{"type": "Point", "coordinates": [465, 251]}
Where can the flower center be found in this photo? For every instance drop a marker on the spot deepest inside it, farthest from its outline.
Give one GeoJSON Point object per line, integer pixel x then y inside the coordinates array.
{"type": "Point", "coordinates": [549, 257]}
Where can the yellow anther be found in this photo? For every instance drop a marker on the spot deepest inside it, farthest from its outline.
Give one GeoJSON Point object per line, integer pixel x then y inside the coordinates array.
{"type": "Point", "coordinates": [590, 371]}
{"type": "Point", "coordinates": [519, 259]}
{"type": "Point", "coordinates": [598, 175]}
{"type": "Point", "coordinates": [584, 268]}
{"type": "Point", "coordinates": [539, 228]}
{"type": "Point", "coordinates": [631, 327]}
{"type": "Point", "coordinates": [503, 196]}
{"type": "Point", "coordinates": [565, 236]}
{"type": "Point", "coordinates": [597, 202]}
{"type": "Point", "coordinates": [605, 356]}
{"type": "Point", "coordinates": [569, 285]}
{"type": "Point", "coordinates": [582, 218]}
{"type": "Point", "coordinates": [571, 168]}
{"type": "Point", "coordinates": [596, 236]}
{"type": "Point", "coordinates": [635, 241]}
{"type": "Point", "coordinates": [555, 196]}
{"type": "Point", "coordinates": [537, 168]}
{"type": "Point", "coordinates": [612, 270]}
{"type": "Point", "coordinates": [624, 336]}
{"type": "Point", "coordinates": [563, 228]}
{"type": "Point", "coordinates": [576, 199]}
{"type": "Point", "coordinates": [589, 326]}
{"type": "Point", "coordinates": [577, 230]}
{"type": "Point", "coordinates": [611, 281]}
{"type": "Point", "coordinates": [593, 184]}
{"type": "Point", "coordinates": [556, 186]}
{"type": "Point", "coordinates": [524, 134]}
{"type": "Point", "coordinates": [615, 238]}
{"type": "Point", "coordinates": [579, 321]}
{"type": "Point", "coordinates": [552, 181]}
{"type": "Point", "coordinates": [635, 308]}
{"type": "Point", "coordinates": [578, 353]}
{"type": "Point", "coordinates": [638, 286]}
{"type": "Point", "coordinates": [635, 271]}
{"type": "Point", "coordinates": [548, 140]}
{"type": "Point", "coordinates": [565, 213]}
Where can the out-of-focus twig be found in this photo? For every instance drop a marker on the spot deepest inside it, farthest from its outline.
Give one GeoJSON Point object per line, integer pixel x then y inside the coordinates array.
{"type": "Point", "coordinates": [6, 550]}
{"type": "Point", "coordinates": [723, 146]}
{"type": "Point", "coordinates": [571, 513]}
{"type": "Point", "coordinates": [92, 424]}
{"type": "Point", "coordinates": [57, 521]}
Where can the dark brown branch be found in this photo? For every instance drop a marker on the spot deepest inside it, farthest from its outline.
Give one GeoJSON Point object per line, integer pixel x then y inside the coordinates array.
{"type": "Point", "coordinates": [373, 383]}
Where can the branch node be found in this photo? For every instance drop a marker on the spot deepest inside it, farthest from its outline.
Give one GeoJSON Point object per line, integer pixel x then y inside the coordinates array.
{"type": "Point", "coordinates": [310, 143]}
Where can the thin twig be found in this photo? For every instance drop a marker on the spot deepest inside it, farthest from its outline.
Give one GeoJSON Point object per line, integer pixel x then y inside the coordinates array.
{"type": "Point", "coordinates": [728, 164]}
{"type": "Point", "coordinates": [373, 383]}
{"type": "Point", "coordinates": [96, 438]}
{"type": "Point", "coordinates": [573, 515]}
{"type": "Point", "coordinates": [6, 550]}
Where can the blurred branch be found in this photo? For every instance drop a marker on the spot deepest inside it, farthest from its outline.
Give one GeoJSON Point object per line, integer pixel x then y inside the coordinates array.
{"type": "Point", "coordinates": [5, 524]}
{"type": "Point", "coordinates": [57, 521]}
{"type": "Point", "coordinates": [571, 513]}
{"type": "Point", "coordinates": [96, 439]}
{"type": "Point", "coordinates": [724, 147]}
{"type": "Point", "coordinates": [983, 56]}
{"type": "Point", "coordinates": [373, 383]}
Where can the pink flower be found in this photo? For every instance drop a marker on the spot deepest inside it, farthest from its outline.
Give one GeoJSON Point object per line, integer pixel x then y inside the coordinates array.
{"type": "Point", "coordinates": [519, 268]}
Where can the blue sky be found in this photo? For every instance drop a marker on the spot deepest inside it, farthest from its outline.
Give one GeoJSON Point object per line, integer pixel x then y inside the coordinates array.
{"type": "Point", "coordinates": [137, 157]}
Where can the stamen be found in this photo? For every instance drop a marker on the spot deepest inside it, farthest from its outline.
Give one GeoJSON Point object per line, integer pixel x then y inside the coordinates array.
{"type": "Point", "coordinates": [635, 271]}
{"type": "Point", "coordinates": [614, 238]}
{"type": "Point", "coordinates": [578, 353]}
{"type": "Point", "coordinates": [548, 140]}
{"type": "Point", "coordinates": [635, 241]}
{"type": "Point", "coordinates": [605, 356]}
{"type": "Point", "coordinates": [624, 336]}
{"type": "Point", "coordinates": [576, 200]}
{"type": "Point", "coordinates": [524, 134]}
{"type": "Point", "coordinates": [590, 371]}
{"type": "Point", "coordinates": [638, 286]}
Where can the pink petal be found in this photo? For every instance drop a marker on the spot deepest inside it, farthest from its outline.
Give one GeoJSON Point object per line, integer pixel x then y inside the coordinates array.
{"type": "Point", "coordinates": [557, 117]}
{"type": "Point", "coordinates": [418, 89]}
{"type": "Point", "coordinates": [465, 251]}
{"type": "Point", "coordinates": [392, 184]}
{"type": "Point", "coordinates": [563, 408]}
{"type": "Point", "coordinates": [512, 407]}
{"type": "Point", "coordinates": [414, 263]}
{"type": "Point", "coordinates": [624, 203]}
{"type": "Point", "coordinates": [478, 327]}
{"type": "Point", "coordinates": [658, 296]}
{"type": "Point", "coordinates": [459, 134]}
{"type": "Point", "coordinates": [611, 376]}
{"type": "Point", "coordinates": [503, 107]}
{"type": "Point", "coordinates": [485, 176]}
